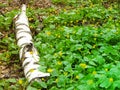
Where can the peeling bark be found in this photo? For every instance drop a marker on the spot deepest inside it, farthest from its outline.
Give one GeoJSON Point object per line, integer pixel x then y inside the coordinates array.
{"type": "Point", "coordinates": [28, 53]}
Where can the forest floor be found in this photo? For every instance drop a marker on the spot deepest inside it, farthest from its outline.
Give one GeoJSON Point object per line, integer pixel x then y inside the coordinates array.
{"type": "Point", "coordinates": [8, 69]}
{"type": "Point", "coordinates": [58, 15]}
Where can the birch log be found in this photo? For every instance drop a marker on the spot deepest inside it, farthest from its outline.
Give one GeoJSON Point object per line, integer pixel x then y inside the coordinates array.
{"type": "Point", "coordinates": [28, 53]}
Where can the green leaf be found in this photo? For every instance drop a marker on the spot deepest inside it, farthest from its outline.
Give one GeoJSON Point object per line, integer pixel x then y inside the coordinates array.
{"type": "Point", "coordinates": [76, 47]}
{"type": "Point", "coordinates": [52, 26]}
{"type": "Point", "coordinates": [61, 81]}
{"type": "Point", "coordinates": [92, 63]}
{"type": "Point", "coordinates": [99, 59]}
{"type": "Point", "coordinates": [70, 88]}
{"type": "Point", "coordinates": [43, 84]}
{"type": "Point", "coordinates": [39, 84]}
{"type": "Point", "coordinates": [2, 83]}
{"type": "Point", "coordinates": [106, 83]}
{"type": "Point", "coordinates": [114, 71]}
{"type": "Point", "coordinates": [12, 80]}
{"type": "Point", "coordinates": [55, 73]}
{"type": "Point", "coordinates": [83, 87]}
{"type": "Point", "coordinates": [68, 68]}
{"type": "Point", "coordinates": [54, 88]}
{"type": "Point", "coordinates": [1, 88]}
{"type": "Point", "coordinates": [116, 84]}
{"type": "Point", "coordinates": [31, 88]}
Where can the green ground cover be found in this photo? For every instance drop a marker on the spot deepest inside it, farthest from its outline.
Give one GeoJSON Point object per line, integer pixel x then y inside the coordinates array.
{"type": "Point", "coordinates": [79, 46]}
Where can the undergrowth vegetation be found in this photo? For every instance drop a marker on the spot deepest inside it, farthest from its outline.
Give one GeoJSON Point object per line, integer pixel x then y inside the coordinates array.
{"type": "Point", "coordinates": [79, 46]}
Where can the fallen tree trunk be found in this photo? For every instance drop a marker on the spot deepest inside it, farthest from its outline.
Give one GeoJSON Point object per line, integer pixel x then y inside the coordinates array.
{"type": "Point", "coordinates": [28, 53]}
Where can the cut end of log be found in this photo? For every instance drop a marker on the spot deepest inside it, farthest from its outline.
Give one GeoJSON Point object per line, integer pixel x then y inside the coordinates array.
{"type": "Point", "coordinates": [23, 8]}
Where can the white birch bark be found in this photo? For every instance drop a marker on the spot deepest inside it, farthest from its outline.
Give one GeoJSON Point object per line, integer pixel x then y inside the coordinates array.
{"type": "Point", "coordinates": [28, 53]}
